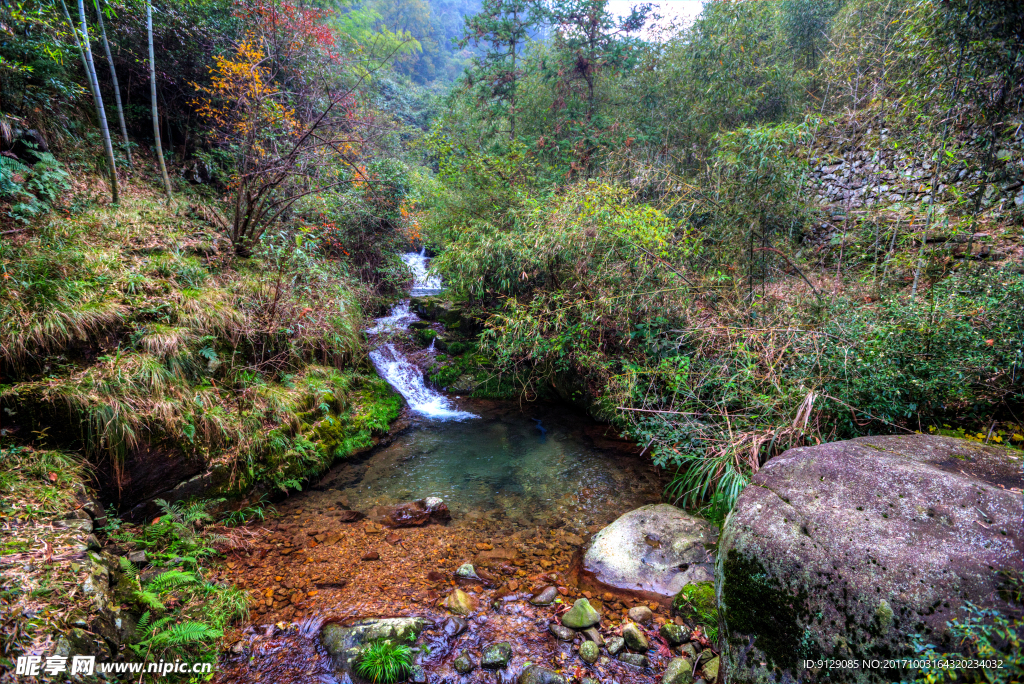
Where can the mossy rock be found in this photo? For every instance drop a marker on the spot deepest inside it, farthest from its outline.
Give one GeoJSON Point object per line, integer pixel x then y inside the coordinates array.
{"type": "Point", "coordinates": [846, 550]}
{"type": "Point", "coordinates": [696, 600]}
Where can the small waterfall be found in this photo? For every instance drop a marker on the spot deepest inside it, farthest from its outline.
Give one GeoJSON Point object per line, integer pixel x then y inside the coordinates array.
{"type": "Point", "coordinates": [423, 285]}
{"type": "Point", "coordinates": [394, 367]}
{"type": "Point", "coordinates": [408, 380]}
{"type": "Point", "coordinates": [398, 319]}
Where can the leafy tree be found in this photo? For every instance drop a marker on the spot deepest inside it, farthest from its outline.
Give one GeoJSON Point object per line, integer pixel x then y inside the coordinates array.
{"type": "Point", "coordinates": [503, 26]}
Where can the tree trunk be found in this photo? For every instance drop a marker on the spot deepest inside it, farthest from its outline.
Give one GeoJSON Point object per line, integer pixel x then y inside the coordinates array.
{"type": "Point", "coordinates": [94, 86]}
{"type": "Point", "coordinates": [152, 98]}
{"type": "Point", "coordinates": [113, 81]}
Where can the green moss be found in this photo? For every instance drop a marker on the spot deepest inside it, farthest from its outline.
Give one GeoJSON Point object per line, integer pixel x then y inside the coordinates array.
{"type": "Point", "coordinates": [425, 336]}
{"type": "Point", "coordinates": [755, 604]}
{"type": "Point", "coordinates": [696, 599]}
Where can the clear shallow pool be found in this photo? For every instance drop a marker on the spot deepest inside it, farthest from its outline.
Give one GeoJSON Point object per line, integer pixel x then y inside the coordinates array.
{"type": "Point", "coordinates": [543, 467]}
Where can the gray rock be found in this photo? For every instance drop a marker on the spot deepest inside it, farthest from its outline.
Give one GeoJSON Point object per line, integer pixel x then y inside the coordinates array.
{"type": "Point", "coordinates": [496, 656]}
{"type": "Point", "coordinates": [345, 643]}
{"type": "Point", "coordinates": [589, 652]}
{"type": "Point", "coordinates": [137, 557]}
{"type": "Point", "coordinates": [674, 634]}
{"type": "Point", "coordinates": [679, 671]}
{"type": "Point", "coordinates": [651, 553]}
{"type": "Point", "coordinates": [592, 634]}
{"type": "Point", "coordinates": [83, 525]}
{"type": "Point", "coordinates": [92, 543]}
{"type": "Point", "coordinates": [640, 614]}
{"type": "Point", "coordinates": [616, 644]}
{"type": "Point", "coordinates": [417, 675]}
{"type": "Point", "coordinates": [540, 675]}
{"type": "Point", "coordinates": [560, 632]}
{"type": "Point", "coordinates": [690, 651]}
{"type": "Point", "coordinates": [635, 638]}
{"type": "Point", "coordinates": [851, 547]}
{"type": "Point", "coordinates": [454, 626]}
{"type": "Point", "coordinates": [634, 659]}
{"type": "Point", "coordinates": [581, 615]}
{"type": "Point", "coordinates": [463, 664]}
{"type": "Point", "coordinates": [546, 597]}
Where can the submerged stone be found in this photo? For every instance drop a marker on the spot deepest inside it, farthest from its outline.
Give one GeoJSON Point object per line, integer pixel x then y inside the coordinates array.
{"type": "Point", "coordinates": [540, 675]}
{"type": "Point", "coordinates": [563, 633]}
{"type": "Point", "coordinates": [497, 656]}
{"type": "Point", "coordinates": [546, 597]}
{"type": "Point", "coordinates": [460, 603]}
{"type": "Point", "coordinates": [454, 626]}
{"type": "Point", "coordinates": [463, 664]}
{"type": "Point", "coordinates": [581, 615]}
{"type": "Point", "coordinates": [345, 643]}
{"type": "Point", "coordinates": [634, 659]}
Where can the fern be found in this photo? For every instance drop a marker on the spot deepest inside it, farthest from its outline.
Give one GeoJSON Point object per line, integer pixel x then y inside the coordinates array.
{"type": "Point", "coordinates": [8, 168]}
{"type": "Point", "coordinates": [143, 623]}
{"type": "Point", "coordinates": [190, 632]}
{"type": "Point", "coordinates": [128, 568]}
{"type": "Point", "coordinates": [172, 580]}
{"type": "Point", "coordinates": [149, 599]}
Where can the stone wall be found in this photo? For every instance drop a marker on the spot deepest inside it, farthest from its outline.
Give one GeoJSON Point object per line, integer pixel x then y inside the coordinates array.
{"type": "Point", "coordinates": [874, 175]}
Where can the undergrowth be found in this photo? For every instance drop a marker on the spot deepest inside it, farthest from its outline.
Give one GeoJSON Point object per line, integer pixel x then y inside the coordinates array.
{"type": "Point", "coordinates": [118, 335]}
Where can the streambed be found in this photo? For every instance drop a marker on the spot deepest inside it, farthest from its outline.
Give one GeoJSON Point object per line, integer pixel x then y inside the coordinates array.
{"type": "Point", "coordinates": [526, 487]}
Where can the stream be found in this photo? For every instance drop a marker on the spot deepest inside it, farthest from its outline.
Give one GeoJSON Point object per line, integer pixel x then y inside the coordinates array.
{"type": "Point", "coordinates": [525, 487]}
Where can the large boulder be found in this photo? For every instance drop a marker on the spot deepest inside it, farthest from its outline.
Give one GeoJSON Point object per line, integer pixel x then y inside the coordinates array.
{"type": "Point", "coordinates": [845, 550]}
{"type": "Point", "coordinates": [649, 553]}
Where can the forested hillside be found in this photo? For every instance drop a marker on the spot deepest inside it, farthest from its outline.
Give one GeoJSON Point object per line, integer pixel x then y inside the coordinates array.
{"type": "Point", "coordinates": [783, 224]}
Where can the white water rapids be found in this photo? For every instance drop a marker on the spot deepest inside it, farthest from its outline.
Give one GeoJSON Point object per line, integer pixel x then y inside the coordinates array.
{"type": "Point", "coordinates": [393, 366]}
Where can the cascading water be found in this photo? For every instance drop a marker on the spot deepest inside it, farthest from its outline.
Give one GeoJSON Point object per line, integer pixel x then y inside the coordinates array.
{"type": "Point", "coordinates": [423, 284]}
{"type": "Point", "coordinates": [392, 364]}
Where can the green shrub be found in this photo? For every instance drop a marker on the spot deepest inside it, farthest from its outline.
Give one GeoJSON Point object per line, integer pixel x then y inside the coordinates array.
{"type": "Point", "coordinates": [980, 635]}
{"type": "Point", "coordinates": [385, 662]}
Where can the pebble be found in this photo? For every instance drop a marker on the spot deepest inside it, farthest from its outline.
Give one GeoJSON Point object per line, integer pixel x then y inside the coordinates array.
{"type": "Point", "coordinates": [371, 556]}
{"type": "Point", "coordinates": [589, 651]}
{"type": "Point", "coordinates": [616, 644]}
{"type": "Point", "coordinates": [463, 664]}
{"type": "Point", "coordinates": [563, 633]}
{"type": "Point", "coordinates": [546, 597]}
{"type": "Point", "coordinates": [674, 634]}
{"type": "Point", "coordinates": [635, 638]}
{"type": "Point", "coordinates": [634, 659]}
{"type": "Point", "coordinates": [640, 614]}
